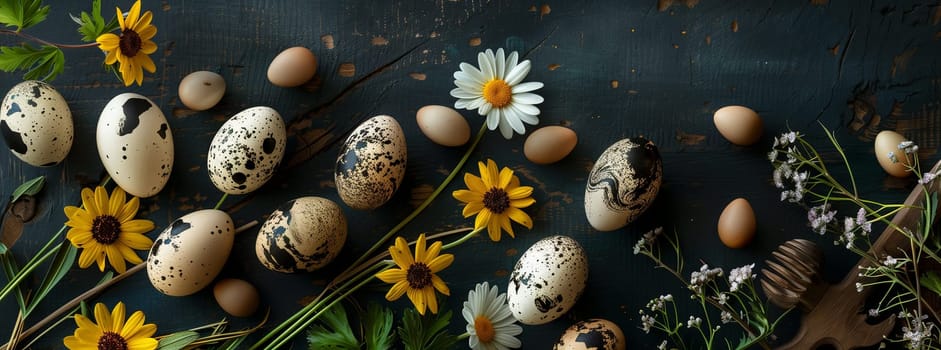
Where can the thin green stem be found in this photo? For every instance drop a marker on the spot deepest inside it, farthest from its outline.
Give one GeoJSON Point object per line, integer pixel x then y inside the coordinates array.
{"type": "Point", "coordinates": [45, 42]}
{"type": "Point", "coordinates": [460, 241]}
{"type": "Point", "coordinates": [219, 203]}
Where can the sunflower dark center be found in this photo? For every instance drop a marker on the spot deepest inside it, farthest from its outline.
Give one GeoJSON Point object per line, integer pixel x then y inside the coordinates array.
{"type": "Point", "coordinates": [497, 200]}
{"type": "Point", "coordinates": [111, 341]}
{"type": "Point", "coordinates": [106, 229]}
{"type": "Point", "coordinates": [130, 43]}
{"type": "Point", "coordinates": [418, 276]}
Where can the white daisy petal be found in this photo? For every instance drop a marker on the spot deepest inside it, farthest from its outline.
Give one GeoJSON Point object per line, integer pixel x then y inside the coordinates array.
{"type": "Point", "coordinates": [511, 61]}
{"type": "Point", "coordinates": [485, 109]}
{"type": "Point", "coordinates": [527, 98]}
{"type": "Point", "coordinates": [526, 108]}
{"type": "Point", "coordinates": [469, 86]}
{"type": "Point", "coordinates": [493, 119]}
{"type": "Point", "coordinates": [512, 118]}
{"type": "Point", "coordinates": [486, 64]}
{"type": "Point", "coordinates": [505, 129]}
{"type": "Point", "coordinates": [486, 302]}
{"type": "Point", "coordinates": [461, 93]}
{"type": "Point", "coordinates": [500, 64]}
{"type": "Point", "coordinates": [518, 73]}
{"type": "Point", "coordinates": [469, 78]}
{"type": "Point", "coordinates": [526, 87]}
{"type": "Point", "coordinates": [507, 340]}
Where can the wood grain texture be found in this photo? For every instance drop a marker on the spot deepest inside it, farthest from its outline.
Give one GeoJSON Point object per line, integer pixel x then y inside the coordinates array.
{"type": "Point", "coordinates": [612, 69]}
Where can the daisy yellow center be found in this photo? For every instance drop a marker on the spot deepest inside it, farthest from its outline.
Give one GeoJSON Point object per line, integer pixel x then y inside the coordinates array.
{"type": "Point", "coordinates": [484, 329]}
{"type": "Point", "coordinates": [498, 93]}
{"type": "Point", "coordinates": [111, 341]}
{"type": "Point", "coordinates": [418, 276]}
{"type": "Point", "coordinates": [106, 229]}
{"type": "Point", "coordinates": [497, 200]}
{"type": "Point", "coordinates": [130, 43]}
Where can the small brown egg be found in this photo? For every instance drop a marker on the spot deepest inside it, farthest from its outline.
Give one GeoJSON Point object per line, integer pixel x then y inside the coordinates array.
{"type": "Point", "coordinates": [443, 125]}
{"type": "Point", "coordinates": [594, 334]}
{"type": "Point", "coordinates": [292, 67]}
{"type": "Point", "coordinates": [888, 141]}
{"type": "Point", "coordinates": [201, 90]}
{"type": "Point", "coordinates": [740, 125]}
{"type": "Point", "coordinates": [237, 297]}
{"type": "Point", "coordinates": [737, 224]}
{"type": "Point", "coordinates": [549, 144]}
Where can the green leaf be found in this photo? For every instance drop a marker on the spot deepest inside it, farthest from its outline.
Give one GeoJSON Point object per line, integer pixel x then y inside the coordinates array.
{"type": "Point", "coordinates": [3, 248]}
{"type": "Point", "coordinates": [28, 188]}
{"type": "Point", "coordinates": [428, 332]}
{"type": "Point", "coordinates": [11, 269]}
{"type": "Point", "coordinates": [22, 14]}
{"type": "Point", "coordinates": [333, 332]}
{"type": "Point", "coordinates": [931, 280]}
{"type": "Point", "coordinates": [378, 333]}
{"type": "Point", "coordinates": [92, 25]}
{"type": "Point", "coordinates": [177, 341]}
{"type": "Point", "coordinates": [43, 63]}
{"type": "Point", "coordinates": [232, 344]}
{"type": "Point", "coordinates": [59, 267]}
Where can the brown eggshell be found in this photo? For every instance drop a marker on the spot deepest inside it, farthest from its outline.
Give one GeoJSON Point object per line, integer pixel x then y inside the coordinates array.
{"type": "Point", "coordinates": [443, 125]}
{"type": "Point", "coordinates": [549, 144]}
{"type": "Point", "coordinates": [737, 224]}
{"type": "Point", "coordinates": [292, 67]}
{"type": "Point", "coordinates": [237, 297]}
{"type": "Point", "coordinates": [888, 141]}
{"type": "Point", "coordinates": [201, 90]}
{"type": "Point", "coordinates": [738, 124]}
{"type": "Point", "coordinates": [592, 334]}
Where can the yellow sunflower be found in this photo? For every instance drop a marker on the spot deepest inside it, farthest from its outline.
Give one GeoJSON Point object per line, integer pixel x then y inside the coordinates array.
{"type": "Point", "coordinates": [106, 228]}
{"type": "Point", "coordinates": [417, 276]}
{"type": "Point", "coordinates": [112, 331]}
{"type": "Point", "coordinates": [496, 198]}
{"type": "Point", "coordinates": [132, 47]}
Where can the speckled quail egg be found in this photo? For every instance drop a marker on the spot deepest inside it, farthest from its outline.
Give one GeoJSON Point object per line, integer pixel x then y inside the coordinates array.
{"type": "Point", "coordinates": [594, 334]}
{"type": "Point", "coordinates": [36, 123]}
{"type": "Point", "coordinates": [189, 253]}
{"type": "Point", "coordinates": [135, 144]}
{"type": "Point", "coordinates": [246, 150]}
{"type": "Point", "coordinates": [371, 163]}
{"type": "Point", "coordinates": [548, 279]}
{"type": "Point", "coordinates": [623, 183]}
{"type": "Point", "coordinates": [304, 234]}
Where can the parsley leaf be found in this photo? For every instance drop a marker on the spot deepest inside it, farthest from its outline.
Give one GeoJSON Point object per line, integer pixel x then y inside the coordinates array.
{"type": "Point", "coordinates": [378, 328]}
{"type": "Point", "coordinates": [333, 332]}
{"type": "Point", "coordinates": [43, 63]}
{"type": "Point", "coordinates": [428, 332]}
{"type": "Point", "coordinates": [22, 14]}
{"type": "Point", "coordinates": [92, 25]}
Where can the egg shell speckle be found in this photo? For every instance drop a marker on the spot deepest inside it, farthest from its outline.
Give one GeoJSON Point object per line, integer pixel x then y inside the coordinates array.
{"type": "Point", "coordinates": [371, 163]}
{"type": "Point", "coordinates": [304, 234]}
{"type": "Point", "coordinates": [189, 253]}
{"type": "Point", "coordinates": [135, 144]}
{"type": "Point", "coordinates": [36, 123]}
{"type": "Point", "coordinates": [623, 183]}
{"type": "Point", "coordinates": [246, 150]}
{"type": "Point", "coordinates": [548, 279]}
{"type": "Point", "coordinates": [593, 333]}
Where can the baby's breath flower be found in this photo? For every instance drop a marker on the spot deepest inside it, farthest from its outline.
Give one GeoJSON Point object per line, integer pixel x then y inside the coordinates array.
{"type": "Point", "coordinates": [819, 217]}
{"type": "Point", "coordinates": [693, 322]}
{"type": "Point", "coordinates": [723, 298]}
{"type": "Point", "coordinates": [647, 241]}
{"type": "Point", "coordinates": [662, 346]}
{"type": "Point", "coordinates": [890, 261]}
{"type": "Point", "coordinates": [647, 322]}
{"type": "Point", "coordinates": [705, 275]}
{"type": "Point", "coordinates": [773, 155]}
{"type": "Point", "coordinates": [873, 313]}
{"type": "Point", "coordinates": [861, 221]}
{"type": "Point", "coordinates": [927, 178]}
{"type": "Point", "coordinates": [917, 331]}
{"type": "Point", "coordinates": [892, 157]}
{"type": "Point", "coordinates": [726, 317]}
{"type": "Point", "coordinates": [739, 276]}
{"type": "Point", "coordinates": [859, 287]}
{"type": "Point", "coordinates": [908, 147]}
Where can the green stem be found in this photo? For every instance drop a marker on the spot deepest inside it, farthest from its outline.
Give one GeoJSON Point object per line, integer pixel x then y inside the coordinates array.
{"type": "Point", "coordinates": [219, 203]}
{"type": "Point", "coordinates": [44, 42]}
{"type": "Point", "coordinates": [460, 241]}
{"type": "Point", "coordinates": [32, 265]}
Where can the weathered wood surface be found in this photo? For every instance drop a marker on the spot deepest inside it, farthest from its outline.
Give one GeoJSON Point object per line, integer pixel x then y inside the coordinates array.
{"type": "Point", "coordinates": [612, 69]}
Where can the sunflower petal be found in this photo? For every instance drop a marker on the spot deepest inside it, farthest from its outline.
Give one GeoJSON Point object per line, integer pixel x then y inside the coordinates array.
{"type": "Point", "coordinates": [505, 176]}
{"type": "Point", "coordinates": [88, 201]}
{"type": "Point", "coordinates": [108, 42]}
{"type": "Point", "coordinates": [392, 275]}
{"type": "Point", "coordinates": [79, 237]}
{"type": "Point", "coordinates": [468, 196]}
{"type": "Point", "coordinates": [401, 254]}
{"type": "Point", "coordinates": [420, 245]}
{"type": "Point", "coordinates": [493, 172]}
{"type": "Point", "coordinates": [474, 183]}
{"type": "Point", "coordinates": [506, 226]}
{"type": "Point", "coordinates": [432, 252]}
{"type": "Point", "coordinates": [133, 15]}
{"type": "Point", "coordinates": [117, 317]}
{"type": "Point", "coordinates": [519, 192]}
{"type": "Point", "coordinates": [145, 331]}
{"type": "Point", "coordinates": [135, 241]}
{"type": "Point", "coordinates": [520, 217]}
{"type": "Point", "coordinates": [440, 262]}
{"type": "Point", "coordinates": [482, 219]}
{"type": "Point", "coordinates": [88, 256]}
{"type": "Point", "coordinates": [115, 258]}
{"type": "Point", "coordinates": [522, 203]}
{"type": "Point", "coordinates": [493, 227]}
{"type": "Point", "coordinates": [139, 226]}
{"type": "Point", "coordinates": [398, 289]}
{"type": "Point", "coordinates": [116, 201]}
{"type": "Point", "coordinates": [131, 326]}
{"type": "Point", "coordinates": [120, 17]}
{"type": "Point", "coordinates": [439, 284]}
{"type": "Point", "coordinates": [142, 343]}
{"type": "Point", "coordinates": [103, 317]}
{"type": "Point", "coordinates": [472, 208]}
{"type": "Point", "coordinates": [418, 299]}
{"type": "Point", "coordinates": [431, 299]}
{"type": "Point", "coordinates": [143, 22]}
{"type": "Point", "coordinates": [129, 210]}
{"type": "Point", "coordinates": [128, 254]}
{"type": "Point", "coordinates": [146, 63]}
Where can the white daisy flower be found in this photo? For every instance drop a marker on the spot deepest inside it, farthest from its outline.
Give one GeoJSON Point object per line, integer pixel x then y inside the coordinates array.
{"type": "Point", "coordinates": [497, 91]}
{"type": "Point", "coordinates": [490, 323]}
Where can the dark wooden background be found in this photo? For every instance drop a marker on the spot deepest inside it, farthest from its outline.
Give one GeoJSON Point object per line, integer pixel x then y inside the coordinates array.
{"type": "Point", "coordinates": [612, 69]}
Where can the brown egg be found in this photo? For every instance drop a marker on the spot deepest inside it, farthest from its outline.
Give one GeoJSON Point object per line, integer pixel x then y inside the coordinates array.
{"type": "Point", "coordinates": [737, 224]}
{"type": "Point", "coordinates": [292, 67]}
{"type": "Point", "coordinates": [237, 297]}
{"type": "Point", "coordinates": [549, 144]}
{"type": "Point", "coordinates": [201, 90]}
{"type": "Point", "coordinates": [888, 141]}
{"type": "Point", "coordinates": [443, 125]}
{"type": "Point", "coordinates": [594, 334]}
{"type": "Point", "coordinates": [740, 125]}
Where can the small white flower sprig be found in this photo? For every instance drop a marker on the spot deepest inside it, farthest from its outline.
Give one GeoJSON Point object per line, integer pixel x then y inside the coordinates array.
{"type": "Point", "coordinates": [736, 302]}
{"type": "Point", "coordinates": [802, 175]}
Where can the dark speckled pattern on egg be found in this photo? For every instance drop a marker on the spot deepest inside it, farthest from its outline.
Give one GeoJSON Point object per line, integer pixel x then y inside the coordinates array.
{"type": "Point", "coordinates": [371, 163]}
{"type": "Point", "coordinates": [548, 279]}
{"type": "Point", "coordinates": [246, 150]}
{"type": "Point", "coordinates": [304, 234]}
{"type": "Point", "coordinates": [188, 254]}
{"type": "Point", "coordinates": [623, 183]}
{"type": "Point", "coordinates": [592, 334]}
{"type": "Point", "coordinates": [36, 123]}
{"type": "Point", "coordinates": [135, 144]}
